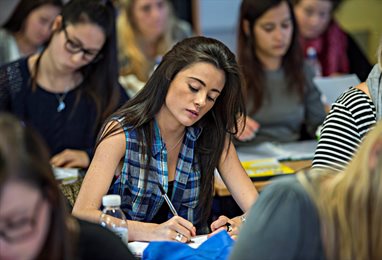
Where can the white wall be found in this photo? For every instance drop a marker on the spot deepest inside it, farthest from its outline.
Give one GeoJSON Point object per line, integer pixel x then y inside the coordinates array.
{"type": "Point", "coordinates": [218, 19]}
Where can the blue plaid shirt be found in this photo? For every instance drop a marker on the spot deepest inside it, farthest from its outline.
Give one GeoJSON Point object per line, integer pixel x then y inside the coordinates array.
{"type": "Point", "coordinates": [141, 204]}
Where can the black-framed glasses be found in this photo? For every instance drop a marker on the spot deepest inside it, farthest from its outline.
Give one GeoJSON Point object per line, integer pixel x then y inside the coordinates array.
{"type": "Point", "coordinates": [22, 229]}
{"type": "Point", "coordinates": [73, 48]}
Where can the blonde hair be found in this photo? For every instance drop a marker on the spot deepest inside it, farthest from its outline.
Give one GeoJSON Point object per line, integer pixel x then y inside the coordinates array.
{"type": "Point", "coordinates": [129, 42]}
{"type": "Point", "coordinates": [349, 203]}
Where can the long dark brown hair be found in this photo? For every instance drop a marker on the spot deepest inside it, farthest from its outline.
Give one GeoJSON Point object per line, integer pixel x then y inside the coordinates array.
{"type": "Point", "coordinates": [25, 158]}
{"type": "Point", "coordinates": [139, 113]}
{"type": "Point", "coordinates": [292, 62]}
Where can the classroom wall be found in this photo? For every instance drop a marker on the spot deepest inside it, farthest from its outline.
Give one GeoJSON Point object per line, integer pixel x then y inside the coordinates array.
{"type": "Point", "coordinates": [363, 20]}
{"type": "Point", "coordinates": [6, 7]}
{"type": "Point", "coordinates": [218, 19]}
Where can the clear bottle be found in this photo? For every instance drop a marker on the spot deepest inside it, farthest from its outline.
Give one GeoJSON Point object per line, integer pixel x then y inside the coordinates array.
{"type": "Point", "coordinates": [111, 204]}
{"type": "Point", "coordinates": [312, 59]}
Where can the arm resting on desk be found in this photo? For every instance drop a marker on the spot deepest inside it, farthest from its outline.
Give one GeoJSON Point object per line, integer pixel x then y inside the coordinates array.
{"type": "Point", "coordinates": [240, 186]}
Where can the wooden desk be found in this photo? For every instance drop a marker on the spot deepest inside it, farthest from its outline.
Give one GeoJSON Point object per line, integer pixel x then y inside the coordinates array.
{"type": "Point", "coordinates": [221, 190]}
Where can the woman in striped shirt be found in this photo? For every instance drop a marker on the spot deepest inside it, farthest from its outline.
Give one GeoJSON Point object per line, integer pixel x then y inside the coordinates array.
{"type": "Point", "coordinates": [353, 115]}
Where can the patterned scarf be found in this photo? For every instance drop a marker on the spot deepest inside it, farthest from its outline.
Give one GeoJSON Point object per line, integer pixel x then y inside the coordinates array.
{"type": "Point", "coordinates": [331, 47]}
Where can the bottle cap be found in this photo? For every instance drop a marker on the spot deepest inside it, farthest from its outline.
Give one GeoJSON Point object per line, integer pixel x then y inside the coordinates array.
{"type": "Point", "coordinates": [311, 51]}
{"type": "Point", "coordinates": [111, 200]}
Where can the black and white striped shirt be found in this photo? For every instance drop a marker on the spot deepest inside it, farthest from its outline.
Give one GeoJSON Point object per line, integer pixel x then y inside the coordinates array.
{"type": "Point", "coordinates": [351, 117]}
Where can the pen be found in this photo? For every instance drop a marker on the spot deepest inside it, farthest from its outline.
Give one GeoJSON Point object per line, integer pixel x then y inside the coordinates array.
{"type": "Point", "coordinates": [167, 200]}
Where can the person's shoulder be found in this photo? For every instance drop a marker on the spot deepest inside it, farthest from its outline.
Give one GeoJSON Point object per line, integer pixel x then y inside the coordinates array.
{"type": "Point", "coordinates": [97, 242]}
{"type": "Point", "coordinates": [352, 97]}
{"type": "Point", "coordinates": [5, 35]}
{"type": "Point", "coordinates": [285, 187]}
{"type": "Point", "coordinates": [15, 71]}
{"type": "Point", "coordinates": [181, 30]}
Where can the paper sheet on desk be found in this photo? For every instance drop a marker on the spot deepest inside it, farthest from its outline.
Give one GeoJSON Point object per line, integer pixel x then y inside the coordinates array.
{"type": "Point", "coordinates": [332, 87]}
{"type": "Point", "coordinates": [66, 175]}
{"type": "Point", "coordinates": [138, 247]}
{"type": "Point", "coordinates": [293, 151]}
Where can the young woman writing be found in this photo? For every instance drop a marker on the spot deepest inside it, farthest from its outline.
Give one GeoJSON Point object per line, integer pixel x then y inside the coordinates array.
{"type": "Point", "coordinates": [174, 133]}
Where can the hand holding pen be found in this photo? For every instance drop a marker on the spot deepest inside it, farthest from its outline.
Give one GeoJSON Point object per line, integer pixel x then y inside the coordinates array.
{"type": "Point", "coordinates": [232, 226]}
{"type": "Point", "coordinates": [176, 228]}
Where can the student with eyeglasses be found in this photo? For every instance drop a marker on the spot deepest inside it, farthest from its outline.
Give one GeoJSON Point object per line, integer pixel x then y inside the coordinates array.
{"type": "Point", "coordinates": [67, 90]}
{"type": "Point", "coordinates": [34, 220]}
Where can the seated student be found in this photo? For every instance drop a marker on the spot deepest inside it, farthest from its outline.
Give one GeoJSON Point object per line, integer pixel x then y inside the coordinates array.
{"type": "Point", "coordinates": [34, 223]}
{"type": "Point", "coordinates": [174, 133]}
{"type": "Point", "coordinates": [281, 97]}
{"type": "Point", "coordinates": [147, 29]}
{"type": "Point", "coordinates": [337, 52]}
{"type": "Point", "coordinates": [320, 214]}
{"type": "Point", "coordinates": [353, 115]}
{"type": "Point", "coordinates": [68, 89]}
{"type": "Point", "coordinates": [27, 29]}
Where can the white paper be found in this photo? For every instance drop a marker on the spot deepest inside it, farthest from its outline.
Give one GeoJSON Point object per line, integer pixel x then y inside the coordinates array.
{"type": "Point", "coordinates": [137, 247]}
{"type": "Point", "coordinates": [332, 87]}
{"type": "Point", "coordinates": [293, 151]}
{"type": "Point", "coordinates": [66, 175]}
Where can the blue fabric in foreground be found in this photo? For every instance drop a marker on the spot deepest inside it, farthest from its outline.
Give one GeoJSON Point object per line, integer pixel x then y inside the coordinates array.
{"type": "Point", "coordinates": [218, 246]}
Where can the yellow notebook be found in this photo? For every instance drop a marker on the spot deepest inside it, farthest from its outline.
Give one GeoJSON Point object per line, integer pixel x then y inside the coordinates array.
{"type": "Point", "coordinates": [267, 167]}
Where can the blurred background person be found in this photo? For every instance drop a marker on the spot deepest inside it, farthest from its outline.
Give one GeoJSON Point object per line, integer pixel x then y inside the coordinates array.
{"type": "Point", "coordinates": [337, 52]}
{"type": "Point", "coordinates": [68, 89]}
{"type": "Point", "coordinates": [34, 221]}
{"type": "Point", "coordinates": [320, 214]}
{"type": "Point", "coordinates": [27, 29]}
{"type": "Point", "coordinates": [147, 29]}
{"type": "Point", "coordinates": [282, 102]}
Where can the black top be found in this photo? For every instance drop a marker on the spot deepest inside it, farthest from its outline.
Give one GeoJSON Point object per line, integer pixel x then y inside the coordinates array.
{"type": "Point", "coordinates": [358, 63]}
{"type": "Point", "coordinates": [72, 128]}
{"type": "Point", "coordinates": [96, 242]}
{"type": "Point", "coordinates": [282, 224]}
{"type": "Point", "coordinates": [164, 211]}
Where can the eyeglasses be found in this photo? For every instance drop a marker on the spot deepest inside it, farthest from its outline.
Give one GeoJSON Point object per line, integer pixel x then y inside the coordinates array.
{"type": "Point", "coordinates": [73, 48]}
{"type": "Point", "coordinates": [21, 229]}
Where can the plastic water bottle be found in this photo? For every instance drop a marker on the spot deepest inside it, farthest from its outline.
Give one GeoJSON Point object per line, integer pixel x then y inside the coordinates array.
{"type": "Point", "coordinates": [111, 204]}
{"type": "Point", "coordinates": [312, 59]}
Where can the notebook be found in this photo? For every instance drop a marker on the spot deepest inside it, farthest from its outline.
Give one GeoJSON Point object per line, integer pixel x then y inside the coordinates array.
{"type": "Point", "coordinates": [265, 160]}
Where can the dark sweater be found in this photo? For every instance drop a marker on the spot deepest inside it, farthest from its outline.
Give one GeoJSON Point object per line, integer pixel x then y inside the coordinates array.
{"type": "Point", "coordinates": [72, 128]}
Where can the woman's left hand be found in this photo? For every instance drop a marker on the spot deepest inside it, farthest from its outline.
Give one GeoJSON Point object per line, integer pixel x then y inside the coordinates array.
{"type": "Point", "coordinates": [232, 226]}
{"type": "Point", "coordinates": [71, 159]}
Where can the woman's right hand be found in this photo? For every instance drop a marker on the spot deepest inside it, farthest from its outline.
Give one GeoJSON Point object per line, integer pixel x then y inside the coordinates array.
{"type": "Point", "coordinates": [175, 229]}
{"type": "Point", "coordinates": [250, 129]}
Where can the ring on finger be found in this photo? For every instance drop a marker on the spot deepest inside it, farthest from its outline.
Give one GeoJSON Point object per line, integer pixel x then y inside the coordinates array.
{"type": "Point", "coordinates": [229, 227]}
{"type": "Point", "coordinates": [178, 237]}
